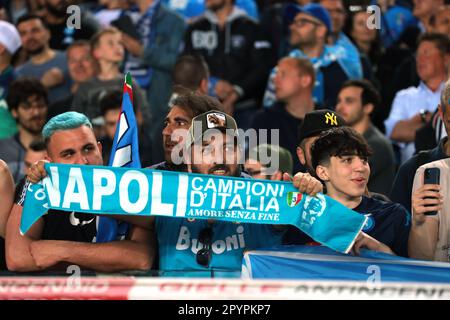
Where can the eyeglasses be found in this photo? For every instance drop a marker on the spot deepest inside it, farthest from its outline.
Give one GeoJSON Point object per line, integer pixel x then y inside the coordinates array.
{"type": "Point", "coordinates": [204, 255]}
{"type": "Point", "coordinates": [303, 21]}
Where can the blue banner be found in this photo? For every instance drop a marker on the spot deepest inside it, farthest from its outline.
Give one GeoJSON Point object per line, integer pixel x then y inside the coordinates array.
{"type": "Point", "coordinates": [145, 192]}
{"type": "Point", "coordinates": [321, 263]}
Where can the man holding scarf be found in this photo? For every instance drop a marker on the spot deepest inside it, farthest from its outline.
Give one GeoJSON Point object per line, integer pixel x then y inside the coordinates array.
{"type": "Point", "coordinates": [197, 247]}
{"type": "Point", "coordinates": [57, 240]}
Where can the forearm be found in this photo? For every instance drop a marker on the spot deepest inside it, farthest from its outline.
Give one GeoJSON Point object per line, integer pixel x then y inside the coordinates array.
{"type": "Point", "coordinates": [405, 130]}
{"type": "Point", "coordinates": [17, 246]}
{"type": "Point", "coordinates": [6, 196]}
{"type": "Point", "coordinates": [18, 255]}
{"type": "Point", "coordinates": [421, 242]}
{"type": "Point", "coordinates": [105, 257]}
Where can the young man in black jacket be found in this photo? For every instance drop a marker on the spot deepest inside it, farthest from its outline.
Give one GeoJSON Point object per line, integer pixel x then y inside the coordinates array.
{"type": "Point", "coordinates": [237, 55]}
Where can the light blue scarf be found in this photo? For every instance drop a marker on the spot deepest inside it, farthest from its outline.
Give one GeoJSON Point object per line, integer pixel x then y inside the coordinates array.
{"type": "Point", "coordinates": [145, 192]}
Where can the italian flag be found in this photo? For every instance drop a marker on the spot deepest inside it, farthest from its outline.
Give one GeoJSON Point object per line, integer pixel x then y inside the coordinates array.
{"type": "Point", "coordinates": [293, 198]}
{"type": "Point", "coordinates": [127, 87]}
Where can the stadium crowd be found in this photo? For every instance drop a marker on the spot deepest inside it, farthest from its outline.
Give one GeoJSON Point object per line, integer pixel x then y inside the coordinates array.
{"type": "Point", "coordinates": [360, 99]}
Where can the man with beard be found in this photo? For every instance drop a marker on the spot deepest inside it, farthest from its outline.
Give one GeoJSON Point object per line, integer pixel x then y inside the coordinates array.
{"type": "Point", "coordinates": [27, 102]}
{"type": "Point", "coordinates": [237, 55]}
{"type": "Point", "coordinates": [48, 65]}
{"type": "Point", "coordinates": [357, 100]}
{"type": "Point", "coordinates": [193, 247]}
{"type": "Point", "coordinates": [62, 35]}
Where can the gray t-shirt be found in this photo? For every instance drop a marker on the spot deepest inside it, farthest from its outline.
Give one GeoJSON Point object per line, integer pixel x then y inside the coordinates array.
{"type": "Point", "coordinates": [382, 161]}
{"type": "Point", "coordinates": [30, 69]}
{"type": "Point", "coordinates": [13, 153]}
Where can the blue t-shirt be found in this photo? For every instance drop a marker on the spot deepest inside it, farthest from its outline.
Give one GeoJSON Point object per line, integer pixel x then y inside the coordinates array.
{"type": "Point", "coordinates": [178, 245]}
{"type": "Point", "coordinates": [388, 223]}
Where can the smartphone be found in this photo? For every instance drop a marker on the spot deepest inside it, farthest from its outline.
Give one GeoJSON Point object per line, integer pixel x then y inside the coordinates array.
{"type": "Point", "coordinates": [125, 24]}
{"type": "Point", "coordinates": [431, 176]}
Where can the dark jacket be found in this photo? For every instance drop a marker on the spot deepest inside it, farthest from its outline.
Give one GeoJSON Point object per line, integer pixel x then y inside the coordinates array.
{"type": "Point", "coordinates": [238, 54]}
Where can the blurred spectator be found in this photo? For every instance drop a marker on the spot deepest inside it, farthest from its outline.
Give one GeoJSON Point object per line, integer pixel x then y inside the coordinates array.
{"type": "Point", "coordinates": [108, 53]}
{"type": "Point", "coordinates": [429, 238]}
{"type": "Point", "coordinates": [46, 64]}
{"type": "Point", "coordinates": [27, 101]}
{"type": "Point", "coordinates": [414, 106]}
{"type": "Point", "coordinates": [368, 42]}
{"type": "Point", "coordinates": [237, 55]}
{"type": "Point", "coordinates": [401, 189]}
{"type": "Point", "coordinates": [309, 26]}
{"type": "Point", "coordinates": [35, 152]}
{"type": "Point", "coordinates": [110, 104]}
{"type": "Point", "coordinates": [366, 39]}
{"type": "Point", "coordinates": [191, 72]}
{"type": "Point", "coordinates": [268, 162]}
{"type": "Point", "coordinates": [190, 9]}
{"type": "Point", "coordinates": [313, 125]}
{"type": "Point", "coordinates": [337, 13]}
{"type": "Point", "coordinates": [399, 65]}
{"type": "Point", "coordinates": [57, 240]}
{"type": "Point", "coordinates": [356, 102]}
{"type": "Point", "coordinates": [110, 10]}
{"type": "Point", "coordinates": [190, 75]}
{"type": "Point", "coordinates": [294, 82]}
{"type": "Point", "coordinates": [442, 20]}
{"type": "Point", "coordinates": [405, 74]}
{"type": "Point", "coordinates": [338, 38]}
{"type": "Point", "coordinates": [6, 199]}
{"type": "Point", "coordinates": [62, 35]}
{"type": "Point", "coordinates": [152, 55]}
{"type": "Point", "coordinates": [397, 22]}
{"type": "Point", "coordinates": [176, 124]}
{"type": "Point", "coordinates": [274, 26]}
{"type": "Point", "coordinates": [81, 69]}
{"type": "Point", "coordinates": [424, 10]}
{"type": "Point", "coordinates": [17, 8]}
{"type": "Point", "coordinates": [9, 44]}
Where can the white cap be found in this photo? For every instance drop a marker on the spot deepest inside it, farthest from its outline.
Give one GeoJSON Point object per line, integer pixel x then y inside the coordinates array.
{"type": "Point", "coordinates": [9, 37]}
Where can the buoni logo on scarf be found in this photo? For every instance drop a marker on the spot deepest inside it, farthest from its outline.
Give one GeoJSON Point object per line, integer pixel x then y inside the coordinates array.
{"type": "Point", "coordinates": [145, 192]}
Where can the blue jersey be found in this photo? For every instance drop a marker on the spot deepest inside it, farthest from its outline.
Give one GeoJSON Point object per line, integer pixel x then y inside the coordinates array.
{"type": "Point", "coordinates": [388, 222]}
{"type": "Point", "coordinates": [178, 245]}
